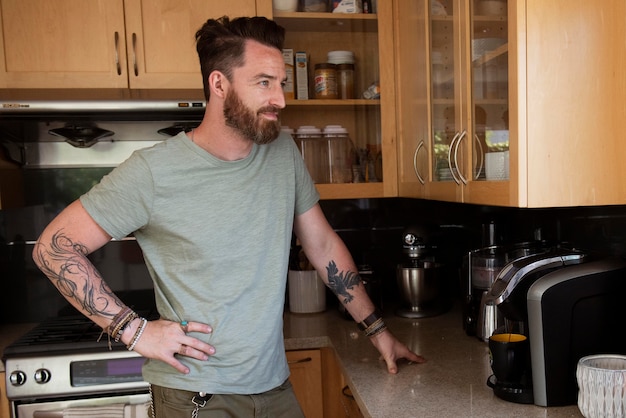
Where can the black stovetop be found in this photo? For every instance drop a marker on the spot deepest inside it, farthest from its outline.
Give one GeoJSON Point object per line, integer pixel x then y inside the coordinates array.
{"type": "Point", "coordinates": [72, 332]}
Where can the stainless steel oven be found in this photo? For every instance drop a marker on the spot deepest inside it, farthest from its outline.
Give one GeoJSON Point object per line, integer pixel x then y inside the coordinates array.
{"type": "Point", "coordinates": [59, 149]}
{"type": "Point", "coordinates": [59, 370]}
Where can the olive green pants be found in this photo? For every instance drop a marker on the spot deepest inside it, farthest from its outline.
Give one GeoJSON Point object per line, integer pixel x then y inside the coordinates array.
{"type": "Point", "coordinates": [279, 402]}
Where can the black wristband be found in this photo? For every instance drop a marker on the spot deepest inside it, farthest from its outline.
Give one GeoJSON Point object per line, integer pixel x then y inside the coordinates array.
{"type": "Point", "coordinates": [375, 316]}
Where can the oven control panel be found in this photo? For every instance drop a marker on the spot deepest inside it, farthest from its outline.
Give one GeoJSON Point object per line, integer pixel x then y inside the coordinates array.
{"type": "Point", "coordinates": [61, 375]}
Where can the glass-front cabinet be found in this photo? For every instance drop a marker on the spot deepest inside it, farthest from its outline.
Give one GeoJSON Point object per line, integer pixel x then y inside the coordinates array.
{"type": "Point", "coordinates": [466, 141]}
{"type": "Point", "coordinates": [363, 103]}
{"type": "Point", "coordinates": [469, 138]}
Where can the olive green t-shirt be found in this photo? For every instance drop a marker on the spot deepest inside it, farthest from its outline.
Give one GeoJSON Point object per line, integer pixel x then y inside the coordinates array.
{"type": "Point", "coordinates": [216, 237]}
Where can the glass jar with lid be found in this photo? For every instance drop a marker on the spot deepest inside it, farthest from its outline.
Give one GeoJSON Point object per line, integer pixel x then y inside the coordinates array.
{"type": "Point", "coordinates": [314, 152]}
{"type": "Point", "coordinates": [341, 154]}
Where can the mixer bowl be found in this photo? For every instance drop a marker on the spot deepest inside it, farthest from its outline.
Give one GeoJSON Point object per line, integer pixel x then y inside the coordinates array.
{"type": "Point", "coordinates": [420, 289]}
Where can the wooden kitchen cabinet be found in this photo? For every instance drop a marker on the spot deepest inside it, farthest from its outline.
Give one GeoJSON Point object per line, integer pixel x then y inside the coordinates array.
{"type": "Point", "coordinates": [338, 399]}
{"type": "Point", "coordinates": [561, 101]}
{"type": "Point", "coordinates": [62, 43]}
{"type": "Point", "coordinates": [306, 378]}
{"type": "Point", "coordinates": [139, 44]}
{"type": "Point", "coordinates": [370, 123]}
{"type": "Point", "coordinates": [160, 39]}
{"type": "Point", "coordinates": [4, 402]}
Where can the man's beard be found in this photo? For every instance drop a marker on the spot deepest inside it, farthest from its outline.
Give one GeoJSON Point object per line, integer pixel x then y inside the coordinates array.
{"type": "Point", "coordinates": [240, 117]}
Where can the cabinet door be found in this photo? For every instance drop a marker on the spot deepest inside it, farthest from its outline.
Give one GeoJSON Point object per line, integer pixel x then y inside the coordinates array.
{"type": "Point", "coordinates": [161, 39]}
{"type": "Point", "coordinates": [414, 147]}
{"type": "Point", "coordinates": [62, 43]}
{"type": "Point", "coordinates": [306, 378]}
{"type": "Point", "coordinates": [488, 148]}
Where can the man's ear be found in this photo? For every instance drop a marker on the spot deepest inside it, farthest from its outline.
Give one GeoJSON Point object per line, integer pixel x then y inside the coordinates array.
{"type": "Point", "coordinates": [217, 81]}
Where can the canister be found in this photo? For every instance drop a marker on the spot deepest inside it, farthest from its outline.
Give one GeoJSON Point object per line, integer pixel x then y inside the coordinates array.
{"type": "Point", "coordinates": [314, 152]}
{"type": "Point", "coordinates": [345, 72]}
{"type": "Point", "coordinates": [325, 81]}
{"type": "Point", "coordinates": [341, 154]}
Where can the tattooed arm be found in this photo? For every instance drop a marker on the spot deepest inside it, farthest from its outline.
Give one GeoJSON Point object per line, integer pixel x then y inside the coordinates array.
{"type": "Point", "coordinates": [335, 265]}
{"type": "Point", "coordinates": [61, 254]}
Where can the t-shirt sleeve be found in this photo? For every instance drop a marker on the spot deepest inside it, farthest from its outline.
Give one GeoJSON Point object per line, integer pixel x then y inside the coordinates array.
{"type": "Point", "coordinates": [121, 202]}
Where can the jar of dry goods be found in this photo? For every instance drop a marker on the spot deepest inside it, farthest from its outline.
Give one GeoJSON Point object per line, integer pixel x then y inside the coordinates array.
{"type": "Point", "coordinates": [326, 81]}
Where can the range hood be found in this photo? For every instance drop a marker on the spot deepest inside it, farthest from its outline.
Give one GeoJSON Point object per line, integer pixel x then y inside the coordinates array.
{"type": "Point", "coordinates": [118, 104]}
{"type": "Point", "coordinates": [85, 128]}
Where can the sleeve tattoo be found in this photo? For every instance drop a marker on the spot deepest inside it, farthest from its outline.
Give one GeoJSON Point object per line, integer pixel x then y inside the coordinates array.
{"type": "Point", "coordinates": [66, 264]}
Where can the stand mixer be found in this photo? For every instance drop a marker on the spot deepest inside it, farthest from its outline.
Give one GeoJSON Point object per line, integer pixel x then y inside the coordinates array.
{"type": "Point", "coordinates": [419, 278]}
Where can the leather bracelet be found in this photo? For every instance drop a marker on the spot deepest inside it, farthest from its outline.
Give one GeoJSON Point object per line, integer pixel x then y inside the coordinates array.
{"type": "Point", "coordinates": [367, 322]}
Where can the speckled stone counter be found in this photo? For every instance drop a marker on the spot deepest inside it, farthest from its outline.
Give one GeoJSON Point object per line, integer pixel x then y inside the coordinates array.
{"type": "Point", "coordinates": [452, 383]}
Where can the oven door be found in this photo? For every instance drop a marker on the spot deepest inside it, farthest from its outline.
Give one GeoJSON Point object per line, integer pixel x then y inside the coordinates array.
{"type": "Point", "coordinates": [127, 406]}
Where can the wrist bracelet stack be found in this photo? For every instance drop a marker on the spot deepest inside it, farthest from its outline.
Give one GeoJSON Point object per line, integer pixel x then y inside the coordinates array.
{"type": "Point", "coordinates": [118, 324]}
{"type": "Point", "coordinates": [373, 324]}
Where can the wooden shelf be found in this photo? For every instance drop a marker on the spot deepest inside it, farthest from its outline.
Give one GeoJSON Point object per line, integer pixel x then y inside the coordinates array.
{"type": "Point", "coordinates": [325, 102]}
{"type": "Point", "coordinates": [327, 22]}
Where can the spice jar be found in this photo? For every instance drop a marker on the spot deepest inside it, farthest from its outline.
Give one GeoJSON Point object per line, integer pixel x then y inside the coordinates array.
{"type": "Point", "coordinates": [325, 81]}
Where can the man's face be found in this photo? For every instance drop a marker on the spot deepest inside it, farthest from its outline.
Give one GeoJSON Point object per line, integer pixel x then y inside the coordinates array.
{"type": "Point", "coordinates": [249, 121]}
{"type": "Point", "coordinates": [252, 104]}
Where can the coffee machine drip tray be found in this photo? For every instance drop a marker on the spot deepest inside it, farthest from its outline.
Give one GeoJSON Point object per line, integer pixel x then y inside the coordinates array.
{"type": "Point", "coordinates": [516, 393]}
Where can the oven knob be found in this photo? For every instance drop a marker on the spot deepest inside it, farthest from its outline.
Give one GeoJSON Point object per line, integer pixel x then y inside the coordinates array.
{"type": "Point", "coordinates": [17, 378]}
{"type": "Point", "coordinates": [42, 375]}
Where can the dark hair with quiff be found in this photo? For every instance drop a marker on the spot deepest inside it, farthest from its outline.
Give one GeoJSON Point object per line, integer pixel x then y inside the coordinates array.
{"type": "Point", "coordinates": [221, 43]}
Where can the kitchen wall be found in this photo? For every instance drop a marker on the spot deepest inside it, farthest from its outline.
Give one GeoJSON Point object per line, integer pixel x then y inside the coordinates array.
{"type": "Point", "coordinates": [372, 229]}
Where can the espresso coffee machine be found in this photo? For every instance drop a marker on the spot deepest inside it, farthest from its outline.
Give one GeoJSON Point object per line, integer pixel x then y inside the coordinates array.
{"type": "Point", "coordinates": [569, 305]}
{"type": "Point", "coordinates": [508, 295]}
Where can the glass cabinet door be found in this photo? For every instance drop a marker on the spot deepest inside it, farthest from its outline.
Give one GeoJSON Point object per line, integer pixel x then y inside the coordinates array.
{"type": "Point", "coordinates": [445, 111]}
{"type": "Point", "coordinates": [489, 90]}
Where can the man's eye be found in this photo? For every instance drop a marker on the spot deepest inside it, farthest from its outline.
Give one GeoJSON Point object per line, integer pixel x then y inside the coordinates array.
{"type": "Point", "coordinates": [265, 83]}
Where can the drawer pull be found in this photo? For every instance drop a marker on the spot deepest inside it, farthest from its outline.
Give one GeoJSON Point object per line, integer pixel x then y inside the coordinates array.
{"type": "Point", "coordinates": [302, 360]}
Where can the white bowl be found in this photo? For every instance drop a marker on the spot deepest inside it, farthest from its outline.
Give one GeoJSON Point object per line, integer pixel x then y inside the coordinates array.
{"type": "Point", "coordinates": [602, 386]}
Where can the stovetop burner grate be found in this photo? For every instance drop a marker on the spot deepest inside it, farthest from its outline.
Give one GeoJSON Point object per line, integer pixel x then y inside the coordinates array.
{"type": "Point", "coordinates": [64, 335]}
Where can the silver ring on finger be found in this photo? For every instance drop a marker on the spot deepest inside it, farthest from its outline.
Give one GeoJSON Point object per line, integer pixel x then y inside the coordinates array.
{"type": "Point", "coordinates": [182, 350]}
{"type": "Point", "coordinates": [185, 326]}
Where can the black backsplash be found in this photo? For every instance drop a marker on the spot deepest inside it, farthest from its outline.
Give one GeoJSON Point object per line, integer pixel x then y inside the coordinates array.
{"type": "Point", "coordinates": [372, 229]}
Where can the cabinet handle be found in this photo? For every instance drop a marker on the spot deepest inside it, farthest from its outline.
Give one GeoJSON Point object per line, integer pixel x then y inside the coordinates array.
{"type": "Point", "coordinates": [482, 157]}
{"type": "Point", "coordinates": [347, 392]}
{"type": "Point", "coordinates": [135, 54]}
{"type": "Point", "coordinates": [117, 53]}
{"type": "Point", "coordinates": [456, 159]}
{"type": "Point", "coordinates": [417, 172]}
{"type": "Point", "coordinates": [302, 360]}
{"type": "Point", "coordinates": [454, 177]}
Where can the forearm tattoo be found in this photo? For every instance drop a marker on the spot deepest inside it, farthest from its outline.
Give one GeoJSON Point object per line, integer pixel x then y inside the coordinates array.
{"type": "Point", "coordinates": [66, 264]}
{"type": "Point", "coordinates": [341, 282]}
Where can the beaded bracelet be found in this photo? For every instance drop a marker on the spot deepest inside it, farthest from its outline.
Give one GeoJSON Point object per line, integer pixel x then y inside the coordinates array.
{"type": "Point", "coordinates": [140, 329]}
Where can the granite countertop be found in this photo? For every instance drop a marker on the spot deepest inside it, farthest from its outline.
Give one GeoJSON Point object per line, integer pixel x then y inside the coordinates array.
{"type": "Point", "coordinates": [451, 383]}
